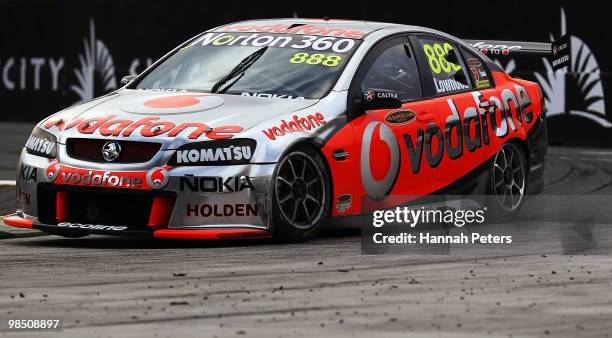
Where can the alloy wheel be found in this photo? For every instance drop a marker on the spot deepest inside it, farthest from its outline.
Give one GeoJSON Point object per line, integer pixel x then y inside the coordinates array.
{"type": "Point", "coordinates": [509, 177]}
{"type": "Point", "coordinates": [300, 190]}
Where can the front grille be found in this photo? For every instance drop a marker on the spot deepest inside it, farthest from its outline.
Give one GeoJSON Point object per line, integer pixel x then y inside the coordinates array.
{"type": "Point", "coordinates": [87, 149]}
{"type": "Point", "coordinates": [99, 206]}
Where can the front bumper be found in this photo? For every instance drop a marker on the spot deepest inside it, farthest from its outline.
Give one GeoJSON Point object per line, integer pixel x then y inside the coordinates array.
{"type": "Point", "coordinates": [20, 221]}
{"type": "Point", "coordinates": [213, 202]}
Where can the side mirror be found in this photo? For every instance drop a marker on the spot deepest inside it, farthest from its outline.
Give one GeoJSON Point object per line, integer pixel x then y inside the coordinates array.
{"type": "Point", "coordinates": [127, 79]}
{"type": "Point", "coordinates": [374, 99]}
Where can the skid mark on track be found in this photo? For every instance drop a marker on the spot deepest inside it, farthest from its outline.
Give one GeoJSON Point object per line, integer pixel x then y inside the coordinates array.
{"type": "Point", "coordinates": [561, 179]}
{"type": "Point", "coordinates": [603, 186]}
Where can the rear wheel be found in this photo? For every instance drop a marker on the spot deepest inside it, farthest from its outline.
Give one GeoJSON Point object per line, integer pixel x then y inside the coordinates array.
{"type": "Point", "coordinates": [300, 195]}
{"type": "Point", "coordinates": [508, 180]}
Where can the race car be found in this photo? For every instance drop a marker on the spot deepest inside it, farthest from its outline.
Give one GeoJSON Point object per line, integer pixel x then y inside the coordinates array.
{"type": "Point", "coordinates": [272, 128]}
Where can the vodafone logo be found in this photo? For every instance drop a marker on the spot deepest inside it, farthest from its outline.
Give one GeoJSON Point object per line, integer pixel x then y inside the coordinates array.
{"type": "Point", "coordinates": [379, 175]}
{"type": "Point", "coordinates": [52, 172]}
{"type": "Point", "coordinates": [180, 101]}
{"type": "Point", "coordinates": [171, 104]}
{"type": "Point", "coordinates": [157, 178]}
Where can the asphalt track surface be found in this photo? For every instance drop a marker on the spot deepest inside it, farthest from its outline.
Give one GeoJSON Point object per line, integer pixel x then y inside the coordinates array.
{"type": "Point", "coordinates": [103, 287]}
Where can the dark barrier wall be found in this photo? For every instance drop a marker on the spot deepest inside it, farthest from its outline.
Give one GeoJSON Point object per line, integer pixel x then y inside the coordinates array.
{"type": "Point", "coordinates": [56, 53]}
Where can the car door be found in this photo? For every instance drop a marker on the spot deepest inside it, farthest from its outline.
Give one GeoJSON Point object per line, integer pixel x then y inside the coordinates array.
{"type": "Point", "coordinates": [487, 96]}
{"type": "Point", "coordinates": [449, 79]}
{"type": "Point", "coordinates": [391, 143]}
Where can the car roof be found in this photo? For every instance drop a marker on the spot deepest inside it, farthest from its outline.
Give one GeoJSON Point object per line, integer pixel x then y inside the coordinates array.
{"type": "Point", "coordinates": [366, 27]}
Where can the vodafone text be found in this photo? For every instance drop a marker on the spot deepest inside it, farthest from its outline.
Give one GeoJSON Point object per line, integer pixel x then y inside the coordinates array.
{"type": "Point", "coordinates": [296, 124]}
{"type": "Point", "coordinates": [105, 179]}
{"type": "Point", "coordinates": [149, 127]}
{"type": "Point", "coordinates": [296, 29]}
{"type": "Point", "coordinates": [482, 116]}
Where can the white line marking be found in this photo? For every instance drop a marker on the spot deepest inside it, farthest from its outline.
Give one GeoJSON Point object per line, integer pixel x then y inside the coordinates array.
{"type": "Point", "coordinates": [7, 183]}
{"type": "Point", "coordinates": [585, 159]}
{"type": "Point", "coordinates": [595, 152]}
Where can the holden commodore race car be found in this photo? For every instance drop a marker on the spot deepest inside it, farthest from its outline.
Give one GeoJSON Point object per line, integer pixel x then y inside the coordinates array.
{"type": "Point", "coordinates": [274, 127]}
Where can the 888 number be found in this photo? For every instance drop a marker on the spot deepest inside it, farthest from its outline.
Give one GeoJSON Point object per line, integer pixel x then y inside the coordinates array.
{"type": "Point", "coordinates": [328, 60]}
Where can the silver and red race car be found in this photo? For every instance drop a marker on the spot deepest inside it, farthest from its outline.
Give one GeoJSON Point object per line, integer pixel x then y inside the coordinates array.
{"type": "Point", "coordinates": [271, 127]}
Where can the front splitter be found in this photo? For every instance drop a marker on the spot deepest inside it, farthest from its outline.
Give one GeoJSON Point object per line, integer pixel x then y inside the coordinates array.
{"type": "Point", "coordinates": [212, 234]}
{"type": "Point", "coordinates": [196, 234]}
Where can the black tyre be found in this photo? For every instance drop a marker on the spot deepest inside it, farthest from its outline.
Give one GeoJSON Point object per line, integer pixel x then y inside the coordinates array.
{"type": "Point", "coordinates": [507, 181]}
{"type": "Point", "coordinates": [300, 195]}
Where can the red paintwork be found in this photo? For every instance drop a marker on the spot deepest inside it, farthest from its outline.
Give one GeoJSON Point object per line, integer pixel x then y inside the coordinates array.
{"type": "Point", "coordinates": [346, 175]}
{"type": "Point", "coordinates": [343, 182]}
{"type": "Point", "coordinates": [61, 206]}
{"type": "Point", "coordinates": [161, 210]}
{"type": "Point", "coordinates": [212, 234]}
{"type": "Point", "coordinates": [18, 222]}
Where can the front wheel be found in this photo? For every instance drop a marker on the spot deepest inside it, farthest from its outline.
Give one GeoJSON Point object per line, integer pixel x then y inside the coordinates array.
{"type": "Point", "coordinates": [508, 180]}
{"type": "Point", "coordinates": [300, 195]}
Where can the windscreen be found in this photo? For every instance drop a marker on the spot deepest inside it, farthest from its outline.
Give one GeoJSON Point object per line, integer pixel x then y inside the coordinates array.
{"type": "Point", "coordinates": [253, 64]}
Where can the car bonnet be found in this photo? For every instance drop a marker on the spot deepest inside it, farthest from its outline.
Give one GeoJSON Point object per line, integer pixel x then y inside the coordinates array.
{"type": "Point", "coordinates": [170, 117]}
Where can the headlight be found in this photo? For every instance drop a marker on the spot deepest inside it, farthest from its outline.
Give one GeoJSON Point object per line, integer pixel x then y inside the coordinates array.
{"type": "Point", "coordinates": [42, 143]}
{"type": "Point", "coordinates": [221, 152]}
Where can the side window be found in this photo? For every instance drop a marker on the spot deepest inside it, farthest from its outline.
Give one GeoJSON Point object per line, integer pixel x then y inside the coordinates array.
{"type": "Point", "coordinates": [394, 68]}
{"type": "Point", "coordinates": [445, 65]}
{"type": "Point", "coordinates": [481, 76]}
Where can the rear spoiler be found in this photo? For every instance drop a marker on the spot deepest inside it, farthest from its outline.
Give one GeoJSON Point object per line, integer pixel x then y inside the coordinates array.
{"type": "Point", "coordinates": [558, 51]}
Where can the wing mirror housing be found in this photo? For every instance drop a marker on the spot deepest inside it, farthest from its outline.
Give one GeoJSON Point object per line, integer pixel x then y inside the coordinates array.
{"type": "Point", "coordinates": [127, 79]}
{"type": "Point", "coordinates": [374, 99]}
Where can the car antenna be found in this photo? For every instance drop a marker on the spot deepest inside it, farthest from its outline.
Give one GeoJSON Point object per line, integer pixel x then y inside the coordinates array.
{"type": "Point", "coordinates": [365, 12]}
